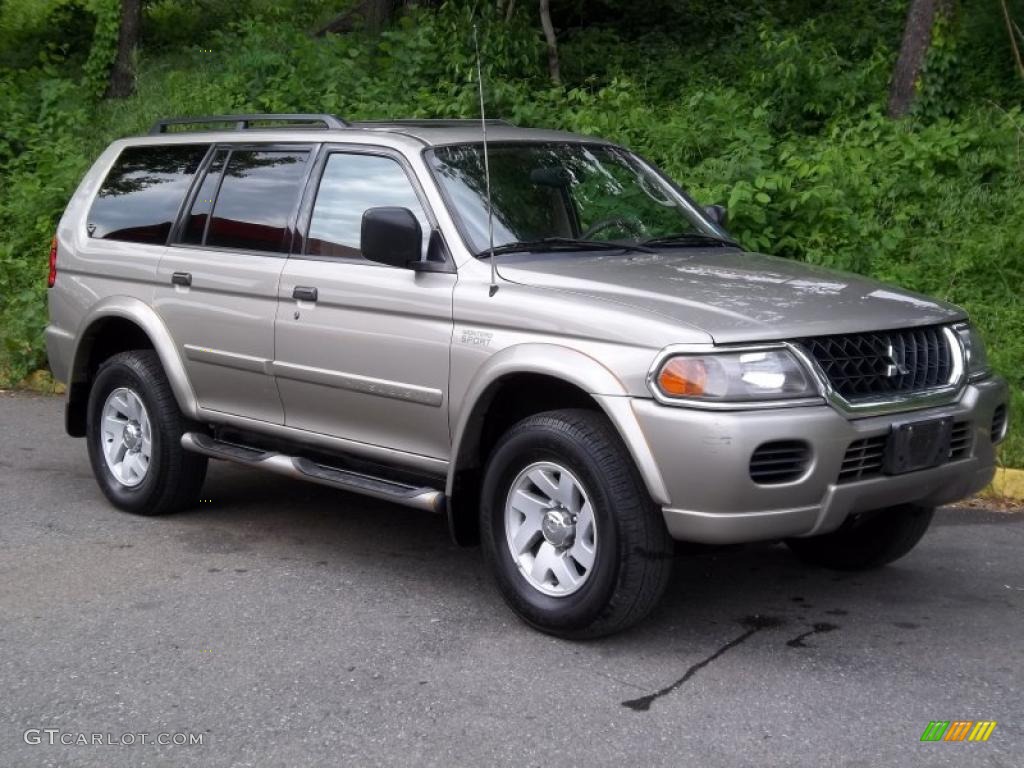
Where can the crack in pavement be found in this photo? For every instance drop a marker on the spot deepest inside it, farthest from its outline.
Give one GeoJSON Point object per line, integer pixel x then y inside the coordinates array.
{"type": "Point", "coordinates": [819, 628]}
{"type": "Point", "coordinates": [754, 625]}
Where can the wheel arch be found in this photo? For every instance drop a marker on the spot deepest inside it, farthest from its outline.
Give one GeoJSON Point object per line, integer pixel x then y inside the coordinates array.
{"type": "Point", "coordinates": [117, 324]}
{"type": "Point", "coordinates": [554, 377]}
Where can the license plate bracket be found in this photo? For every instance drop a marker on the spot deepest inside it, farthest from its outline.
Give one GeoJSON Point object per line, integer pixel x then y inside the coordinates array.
{"type": "Point", "coordinates": [917, 445]}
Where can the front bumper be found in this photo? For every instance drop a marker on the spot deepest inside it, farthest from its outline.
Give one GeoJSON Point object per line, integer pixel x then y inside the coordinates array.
{"type": "Point", "coordinates": [703, 458]}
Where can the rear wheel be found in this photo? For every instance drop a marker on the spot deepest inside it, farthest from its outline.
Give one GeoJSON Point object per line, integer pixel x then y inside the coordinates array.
{"type": "Point", "coordinates": [867, 541]}
{"type": "Point", "coordinates": [134, 430]}
{"type": "Point", "coordinates": [576, 545]}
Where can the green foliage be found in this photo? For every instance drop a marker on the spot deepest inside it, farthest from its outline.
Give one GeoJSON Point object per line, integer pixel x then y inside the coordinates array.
{"type": "Point", "coordinates": [104, 46]}
{"type": "Point", "coordinates": [772, 108]}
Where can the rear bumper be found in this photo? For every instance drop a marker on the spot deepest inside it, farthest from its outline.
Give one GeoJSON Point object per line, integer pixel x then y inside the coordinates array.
{"type": "Point", "coordinates": [703, 459]}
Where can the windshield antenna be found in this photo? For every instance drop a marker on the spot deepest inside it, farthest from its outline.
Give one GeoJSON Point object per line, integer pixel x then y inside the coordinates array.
{"type": "Point", "coordinates": [487, 166]}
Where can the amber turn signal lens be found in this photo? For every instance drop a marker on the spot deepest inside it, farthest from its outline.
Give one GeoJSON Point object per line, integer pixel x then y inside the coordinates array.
{"type": "Point", "coordinates": [683, 377]}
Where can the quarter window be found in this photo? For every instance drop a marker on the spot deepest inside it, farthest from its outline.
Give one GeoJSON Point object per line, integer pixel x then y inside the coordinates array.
{"type": "Point", "coordinates": [257, 196]}
{"type": "Point", "coordinates": [140, 197]}
{"type": "Point", "coordinates": [350, 185]}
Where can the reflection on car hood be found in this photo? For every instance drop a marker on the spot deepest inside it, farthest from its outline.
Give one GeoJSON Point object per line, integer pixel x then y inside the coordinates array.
{"type": "Point", "coordinates": [732, 295]}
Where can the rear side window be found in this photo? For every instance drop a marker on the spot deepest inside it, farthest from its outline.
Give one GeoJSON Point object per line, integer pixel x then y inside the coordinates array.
{"type": "Point", "coordinates": [258, 193]}
{"type": "Point", "coordinates": [140, 197]}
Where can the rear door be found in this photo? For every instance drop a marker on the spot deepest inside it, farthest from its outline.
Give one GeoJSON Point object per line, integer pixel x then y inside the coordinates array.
{"type": "Point", "coordinates": [218, 280]}
{"type": "Point", "coordinates": [362, 348]}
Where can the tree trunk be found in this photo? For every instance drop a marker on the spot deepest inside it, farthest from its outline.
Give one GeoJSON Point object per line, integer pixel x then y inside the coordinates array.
{"type": "Point", "coordinates": [917, 38]}
{"type": "Point", "coordinates": [549, 34]}
{"type": "Point", "coordinates": [122, 74]}
{"type": "Point", "coordinates": [1012, 31]}
{"type": "Point", "coordinates": [376, 14]}
{"type": "Point", "coordinates": [379, 14]}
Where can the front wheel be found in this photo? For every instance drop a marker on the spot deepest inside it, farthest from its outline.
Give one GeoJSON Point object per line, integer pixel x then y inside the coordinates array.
{"type": "Point", "coordinates": [576, 545]}
{"type": "Point", "coordinates": [868, 540]}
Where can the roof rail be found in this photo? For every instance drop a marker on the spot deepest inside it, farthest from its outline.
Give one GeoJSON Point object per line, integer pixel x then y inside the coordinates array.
{"type": "Point", "coordinates": [242, 121]}
{"type": "Point", "coordinates": [435, 122]}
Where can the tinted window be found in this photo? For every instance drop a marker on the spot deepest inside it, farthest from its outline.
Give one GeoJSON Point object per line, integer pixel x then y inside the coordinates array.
{"type": "Point", "coordinates": [256, 199]}
{"type": "Point", "coordinates": [140, 197]}
{"type": "Point", "coordinates": [349, 186]}
{"type": "Point", "coordinates": [195, 225]}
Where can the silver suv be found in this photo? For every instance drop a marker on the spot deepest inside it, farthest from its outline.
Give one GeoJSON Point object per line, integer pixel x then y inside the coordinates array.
{"type": "Point", "coordinates": [539, 336]}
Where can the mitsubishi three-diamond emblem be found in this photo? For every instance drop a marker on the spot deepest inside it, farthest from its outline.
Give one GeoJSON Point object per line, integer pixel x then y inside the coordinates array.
{"type": "Point", "coordinates": [894, 366]}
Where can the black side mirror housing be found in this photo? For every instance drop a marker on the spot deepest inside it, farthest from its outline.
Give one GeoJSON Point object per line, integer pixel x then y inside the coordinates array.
{"type": "Point", "coordinates": [717, 213]}
{"type": "Point", "coordinates": [391, 236]}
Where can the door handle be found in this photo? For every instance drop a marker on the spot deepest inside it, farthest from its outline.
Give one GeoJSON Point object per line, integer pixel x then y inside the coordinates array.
{"type": "Point", "coordinates": [304, 293]}
{"type": "Point", "coordinates": [181, 278]}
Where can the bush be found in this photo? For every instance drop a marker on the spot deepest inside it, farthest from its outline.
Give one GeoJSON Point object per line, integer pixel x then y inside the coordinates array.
{"type": "Point", "coordinates": [774, 109]}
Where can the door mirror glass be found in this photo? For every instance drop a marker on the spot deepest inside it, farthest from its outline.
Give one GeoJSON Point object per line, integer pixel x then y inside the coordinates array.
{"type": "Point", "coordinates": [391, 236]}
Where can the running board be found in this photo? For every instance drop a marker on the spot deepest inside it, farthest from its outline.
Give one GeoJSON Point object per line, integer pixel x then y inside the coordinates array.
{"type": "Point", "coordinates": [418, 497]}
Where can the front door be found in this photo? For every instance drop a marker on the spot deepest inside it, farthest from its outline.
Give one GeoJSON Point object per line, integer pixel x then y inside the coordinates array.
{"type": "Point", "coordinates": [218, 280]}
{"type": "Point", "coordinates": [362, 348]}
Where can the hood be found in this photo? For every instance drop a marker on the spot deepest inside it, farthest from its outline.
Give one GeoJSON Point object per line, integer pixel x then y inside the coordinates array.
{"type": "Point", "coordinates": [732, 295]}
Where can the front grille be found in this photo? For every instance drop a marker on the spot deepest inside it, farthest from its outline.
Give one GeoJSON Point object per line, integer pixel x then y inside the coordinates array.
{"type": "Point", "coordinates": [779, 462]}
{"type": "Point", "coordinates": [999, 423]}
{"type": "Point", "coordinates": [960, 443]}
{"type": "Point", "coordinates": [863, 459]}
{"type": "Point", "coordinates": [865, 365]}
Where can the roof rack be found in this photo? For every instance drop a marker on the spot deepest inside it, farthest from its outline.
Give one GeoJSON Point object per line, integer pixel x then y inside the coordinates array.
{"type": "Point", "coordinates": [435, 122]}
{"type": "Point", "coordinates": [242, 122]}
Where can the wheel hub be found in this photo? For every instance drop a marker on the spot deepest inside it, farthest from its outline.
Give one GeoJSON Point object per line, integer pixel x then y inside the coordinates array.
{"type": "Point", "coordinates": [559, 527]}
{"type": "Point", "coordinates": [132, 436]}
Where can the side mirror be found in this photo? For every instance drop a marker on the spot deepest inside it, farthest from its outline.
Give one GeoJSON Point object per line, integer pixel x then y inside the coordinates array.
{"type": "Point", "coordinates": [391, 236]}
{"type": "Point", "coordinates": [717, 213]}
{"type": "Point", "coordinates": [557, 178]}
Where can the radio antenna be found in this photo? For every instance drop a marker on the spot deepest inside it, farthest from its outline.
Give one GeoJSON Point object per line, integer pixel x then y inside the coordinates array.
{"type": "Point", "coordinates": [487, 166]}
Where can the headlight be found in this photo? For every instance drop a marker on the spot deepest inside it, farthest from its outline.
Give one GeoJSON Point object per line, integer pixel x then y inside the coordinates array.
{"type": "Point", "coordinates": [769, 374]}
{"type": "Point", "coordinates": [976, 361]}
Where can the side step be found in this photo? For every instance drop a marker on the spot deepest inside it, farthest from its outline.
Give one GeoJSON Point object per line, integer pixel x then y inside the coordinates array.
{"type": "Point", "coordinates": [418, 497]}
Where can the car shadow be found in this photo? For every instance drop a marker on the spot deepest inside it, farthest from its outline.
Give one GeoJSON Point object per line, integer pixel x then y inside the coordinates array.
{"type": "Point", "coordinates": [714, 591]}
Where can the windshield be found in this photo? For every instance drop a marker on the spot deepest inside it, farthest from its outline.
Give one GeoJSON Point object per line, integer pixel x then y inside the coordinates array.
{"type": "Point", "coordinates": [562, 191]}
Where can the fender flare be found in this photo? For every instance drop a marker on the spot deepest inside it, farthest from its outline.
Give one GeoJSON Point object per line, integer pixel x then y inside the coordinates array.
{"type": "Point", "coordinates": [140, 313]}
{"type": "Point", "coordinates": [573, 367]}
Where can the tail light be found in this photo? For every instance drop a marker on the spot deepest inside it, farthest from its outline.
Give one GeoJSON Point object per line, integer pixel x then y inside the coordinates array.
{"type": "Point", "coordinates": [53, 263]}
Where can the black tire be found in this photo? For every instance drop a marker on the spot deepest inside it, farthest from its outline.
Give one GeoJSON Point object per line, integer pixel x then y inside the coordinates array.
{"type": "Point", "coordinates": [175, 476]}
{"type": "Point", "coordinates": [867, 541]}
{"type": "Point", "coordinates": [633, 555]}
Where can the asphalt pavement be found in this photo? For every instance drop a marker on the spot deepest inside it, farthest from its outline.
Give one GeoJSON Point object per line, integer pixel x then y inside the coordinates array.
{"type": "Point", "coordinates": [284, 624]}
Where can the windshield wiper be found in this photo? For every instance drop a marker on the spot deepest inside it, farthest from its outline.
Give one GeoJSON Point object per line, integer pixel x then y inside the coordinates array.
{"type": "Point", "coordinates": [563, 244]}
{"type": "Point", "coordinates": [688, 238]}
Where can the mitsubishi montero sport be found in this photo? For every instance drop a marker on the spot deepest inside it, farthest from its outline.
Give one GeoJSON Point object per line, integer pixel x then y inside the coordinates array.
{"type": "Point", "coordinates": [540, 337]}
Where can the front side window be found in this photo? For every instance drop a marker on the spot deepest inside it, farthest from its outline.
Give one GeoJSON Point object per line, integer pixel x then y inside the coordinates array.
{"type": "Point", "coordinates": [140, 197]}
{"type": "Point", "coordinates": [351, 184]}
{"type": "Point", "coordinates": [542, 191]}
{"type": "Point", "coordinates": [258, 194]}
